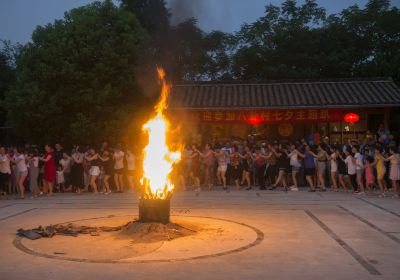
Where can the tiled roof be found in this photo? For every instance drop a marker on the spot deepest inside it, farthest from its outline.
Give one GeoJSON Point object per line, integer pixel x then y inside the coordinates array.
{"type": "Point", "coordinates": [296, 94]}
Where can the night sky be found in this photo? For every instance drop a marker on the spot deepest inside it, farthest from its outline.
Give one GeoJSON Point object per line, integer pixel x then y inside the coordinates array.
{"type": "Point", "coordinates": [18, 18]}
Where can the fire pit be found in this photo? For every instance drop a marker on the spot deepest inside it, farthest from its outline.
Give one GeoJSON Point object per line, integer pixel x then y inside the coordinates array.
{"type": "Point", "coordinates": [158, 163]}
{"type": "Point", "coordinates": [124, 239]}
{"type": "Point", "coordinates": [154, 210]}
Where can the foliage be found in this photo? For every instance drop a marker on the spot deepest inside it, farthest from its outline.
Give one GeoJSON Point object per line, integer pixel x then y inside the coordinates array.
{"type": "Point", "coordinates": [290, 41]}
{"type": "Point", "coordinates": [152, 14]}
{"type": "Point", "coordinates": [294, 41]}
{"type": "Point", "coordinates": [75, 80]}
{"type": "Point", "coordinates": [184, 50]}
{"type": "Point", "coordinates": [7, 73]}
{"type": "Point", "coordinates": [376, 33]}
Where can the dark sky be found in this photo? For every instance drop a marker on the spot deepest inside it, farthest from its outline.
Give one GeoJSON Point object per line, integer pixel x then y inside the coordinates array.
{"type": "Point", "coordinates": [18, 18]}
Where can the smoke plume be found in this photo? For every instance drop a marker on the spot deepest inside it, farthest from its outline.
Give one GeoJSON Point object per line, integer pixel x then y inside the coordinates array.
{"type": "Point", "coordinates": [211, 14]}
{"type": "Point", "coordinates": [184, 9]}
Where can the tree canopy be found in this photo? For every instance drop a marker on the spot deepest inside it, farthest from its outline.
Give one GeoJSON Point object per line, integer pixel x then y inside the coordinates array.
{"type": "Point", "coordinates": [75, 80]}
{"type": "Point", "coordinates": [290, 41]}
{"type": "Point", "coordinates": [300, 41]}
{"type": "Point", "coordinates": [8, 52]}
{"type": "Point", "coordinates": [153, 15]}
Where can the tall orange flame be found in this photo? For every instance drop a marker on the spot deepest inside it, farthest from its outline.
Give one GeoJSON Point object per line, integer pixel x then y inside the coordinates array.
{"type": "Point", "coordinates": [158, 159]}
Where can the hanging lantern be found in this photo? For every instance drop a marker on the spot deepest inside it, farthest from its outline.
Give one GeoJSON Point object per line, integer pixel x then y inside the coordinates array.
{"type": "Point", "coordinates": [351, 118]}
{"type": "Point", "coordinates": [255, 120]}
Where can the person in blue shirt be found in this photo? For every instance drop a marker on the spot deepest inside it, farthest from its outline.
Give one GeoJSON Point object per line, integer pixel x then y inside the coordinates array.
{"type": "Point", "coordinates": [309, 166]}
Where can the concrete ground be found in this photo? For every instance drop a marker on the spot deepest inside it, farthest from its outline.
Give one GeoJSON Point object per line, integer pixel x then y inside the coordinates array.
{"type": "Point", "coordinates": [304, 236]}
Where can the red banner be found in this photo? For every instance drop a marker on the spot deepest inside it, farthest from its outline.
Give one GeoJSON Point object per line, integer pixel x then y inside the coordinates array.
{"type": "Point", "coordinates": [267, 116]}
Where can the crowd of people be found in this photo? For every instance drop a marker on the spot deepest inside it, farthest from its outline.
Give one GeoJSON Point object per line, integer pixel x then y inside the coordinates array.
{"type": "Point", "coordinates": [79, 170]}
{"type": "Point", "coordinates": [353, 167]}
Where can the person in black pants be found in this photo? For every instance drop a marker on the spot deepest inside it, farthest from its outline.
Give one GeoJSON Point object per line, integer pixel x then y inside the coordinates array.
{"type": "Point", "coordinates": [351, 169]}
{"type": "Point", "coordinates": [272, 170]}
{"type": "Point", "coordinates": [5, 171]}
{"type": "Point", "coordinates": [4, 177]}
{"type": "Point", "coordinates": [260, 161]}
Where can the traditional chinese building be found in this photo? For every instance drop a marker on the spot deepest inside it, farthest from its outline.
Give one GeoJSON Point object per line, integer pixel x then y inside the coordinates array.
{"type": "Point", "coordinates": [285, 110]}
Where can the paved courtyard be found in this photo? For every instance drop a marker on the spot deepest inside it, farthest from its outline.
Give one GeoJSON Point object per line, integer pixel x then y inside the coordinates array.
{"type": "Point", "coordinates": [265, 235]}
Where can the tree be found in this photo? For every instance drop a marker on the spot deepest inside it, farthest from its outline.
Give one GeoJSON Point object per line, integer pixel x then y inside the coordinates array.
{"type": "Point", "coordinates": [219, 48]}
{"type": "Point", "coordinates": [75, 80]}
{"type": "Point", "coordinates": [7, 73]}
{"type": "Point", "coordinates": [184, 53]}
{"type": "Point", "coordinates": [152, 14]}
{"type": "Point", "coordinates": [190, 54]}
{"type": "Point", "coordinates": [299, 41]}
{"type": "Point", "coordinates": [184, 50]}
{"type": "Point", "coordinates": [375, 31]}
{"type": "Point", "coordinates": [283, 43]}
{"type": "Point", "coordinates": [154, 17]}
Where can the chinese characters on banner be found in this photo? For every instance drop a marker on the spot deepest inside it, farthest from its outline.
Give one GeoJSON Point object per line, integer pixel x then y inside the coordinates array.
{"type": "Point", "coordinates": [267, 116]}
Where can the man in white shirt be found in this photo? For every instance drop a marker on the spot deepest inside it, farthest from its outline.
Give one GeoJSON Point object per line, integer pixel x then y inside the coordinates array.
{"type": "Point", "coordinates": [351, 170]}
{"type": "Point", "coordinates": [351, 166]}
{"type": "Point", "coordinates": [359, 167]}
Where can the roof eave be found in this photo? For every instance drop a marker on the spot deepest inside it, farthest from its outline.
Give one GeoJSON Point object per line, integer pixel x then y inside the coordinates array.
{"type": "Point", "coordinates": [368, 106]}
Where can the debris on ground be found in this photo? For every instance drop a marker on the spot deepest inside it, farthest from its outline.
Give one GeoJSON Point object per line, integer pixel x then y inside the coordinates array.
{"type": "Point", "coordinates": [68, 230]}
{"type": "Point", "coordinates": [143, 232]}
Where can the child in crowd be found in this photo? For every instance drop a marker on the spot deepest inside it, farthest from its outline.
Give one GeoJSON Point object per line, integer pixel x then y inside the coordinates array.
{"type": "Point", "coordinates": [369, 174]}
{"type": "Point", "coordinates": [66, 163]}
{"type": "Point", "coordinates": [60, 178]}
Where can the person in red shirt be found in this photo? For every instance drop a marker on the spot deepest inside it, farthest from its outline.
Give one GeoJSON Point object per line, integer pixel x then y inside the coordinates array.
{"type": "Point", "coordinates": [49, 169]}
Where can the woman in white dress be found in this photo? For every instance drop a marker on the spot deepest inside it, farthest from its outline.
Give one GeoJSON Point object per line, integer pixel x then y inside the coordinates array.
{"type": "Point", "coordinates": [334, 169]}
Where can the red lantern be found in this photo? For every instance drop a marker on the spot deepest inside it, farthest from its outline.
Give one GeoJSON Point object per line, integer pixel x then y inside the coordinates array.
{"type": "Point", "coordinates": [351, 118]}
{"type": "Point", "coordinates": [256, 120]}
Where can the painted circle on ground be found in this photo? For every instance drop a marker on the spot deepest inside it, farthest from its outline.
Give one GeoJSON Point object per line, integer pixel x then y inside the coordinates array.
{"type": "Point", "coordinates": [214, 237]}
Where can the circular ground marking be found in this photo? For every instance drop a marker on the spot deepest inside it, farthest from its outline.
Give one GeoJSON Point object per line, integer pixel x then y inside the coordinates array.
{"type": "Point", "coordinates": [212, 237]}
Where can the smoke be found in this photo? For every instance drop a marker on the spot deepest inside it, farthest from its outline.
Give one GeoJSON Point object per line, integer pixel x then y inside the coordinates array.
{"type": "Point", "coordinates": [184, 9]}
{"type": "Point", "coordinates": [210, 15]}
